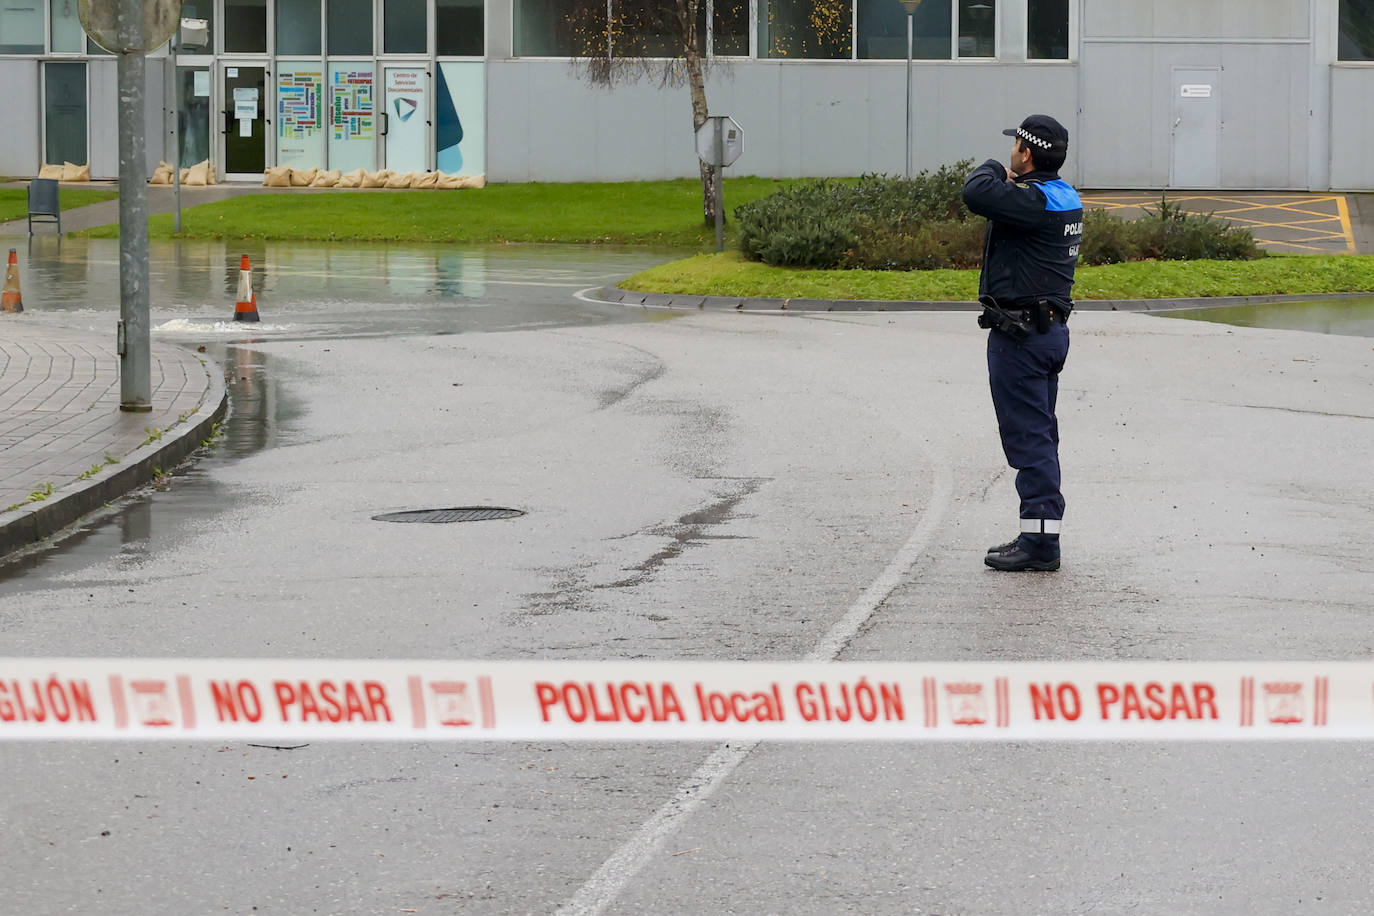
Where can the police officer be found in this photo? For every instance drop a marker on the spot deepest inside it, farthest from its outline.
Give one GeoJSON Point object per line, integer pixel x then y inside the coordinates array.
{"type": "Point", "coordinates": [1035, 225]}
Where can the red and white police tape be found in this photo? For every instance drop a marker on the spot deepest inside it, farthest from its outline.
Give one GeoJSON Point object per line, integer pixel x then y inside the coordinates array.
{"type": "Point", "coordinates": [289, 699]}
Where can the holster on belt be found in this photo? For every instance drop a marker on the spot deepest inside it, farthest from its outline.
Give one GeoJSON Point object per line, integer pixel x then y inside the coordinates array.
{"type": "Point", "coordinates": [994, 316]}
{"type": "Point", "coordinates": [1042, 316]}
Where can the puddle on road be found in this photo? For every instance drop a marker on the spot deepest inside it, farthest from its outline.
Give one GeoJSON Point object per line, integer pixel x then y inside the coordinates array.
{"type": "Point", "coordinates": [307, 290]}
{"type": "Point", "coordinates": [1350, 317]}
{"type": "Point", "coordinates": [128, 532]}
{"type": "Point", "coordinates": [304, 291]}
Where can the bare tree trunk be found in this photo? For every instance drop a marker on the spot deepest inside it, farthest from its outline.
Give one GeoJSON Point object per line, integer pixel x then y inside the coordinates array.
{"type": "Point", "coordinates": [696, 83]}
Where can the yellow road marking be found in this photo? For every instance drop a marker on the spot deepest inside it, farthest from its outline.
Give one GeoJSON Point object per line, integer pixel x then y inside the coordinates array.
{"type": "Point", "coordinates": [1344, 209]}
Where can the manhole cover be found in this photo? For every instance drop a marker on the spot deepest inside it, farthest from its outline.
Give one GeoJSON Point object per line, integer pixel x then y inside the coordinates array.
{"type": "Point", "coordinates": [460, 514]}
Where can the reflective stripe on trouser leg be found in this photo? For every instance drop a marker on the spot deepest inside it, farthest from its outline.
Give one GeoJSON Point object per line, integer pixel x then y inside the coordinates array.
{"type": "Point", "coordinates": [1040, 525]}
{"type": "Point", "coordinates": [1024, 378]}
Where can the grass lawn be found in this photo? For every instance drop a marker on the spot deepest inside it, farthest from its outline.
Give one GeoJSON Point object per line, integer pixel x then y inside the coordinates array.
{"type": "Point", "coordinates": [14, 202]}
{"type": "Point", "coordinates": [728, 274]}
{"type": "Point", "coordinates": [635, 213]}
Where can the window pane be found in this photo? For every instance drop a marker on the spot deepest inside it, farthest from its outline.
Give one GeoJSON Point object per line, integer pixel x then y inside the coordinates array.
{"type": "Point", "coordinates": [458, 26]}
{"type": "Point", "coordinates": [1047, 35]}
{"type": "Point", "coordinates": [882, 29]}
{"type": "Point", "coordinates": [200, 9]}
{"type": "Point", "coordinates": [350, 27]}
{"type": "Point", "coordinates": [193, 111]}
{"type": "Point", "coordinates": [1356, 40]}
{"type": "Point", "coordinates": [65, 107]}
{"type": "Point", "coordinates": [731, 27]}
{"type": "Point", "coordinates": [245, 26]}
{"type": "Point", "coordinates": [67, 35]}
{"type": "Point", "coordinates": [977, 28]}
{"type": "Point", "coordinates": [560, 28]}
{"type": "Point", "coordinates": [807, 29]}
{"type": "Point", "coordinates": [21, 26]}
{"type": "Point", "coordinates": [403, 27]}
{"type": "Point", "coordinates": [298, 26]}
{"type": "Point", "coordinates": [645, 28]}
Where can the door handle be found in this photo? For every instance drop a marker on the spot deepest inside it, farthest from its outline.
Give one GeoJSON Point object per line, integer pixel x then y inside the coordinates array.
{"type": "Point", "coordinates": [386, 123]}
{"type": "Point", "coordinates": [1177, 121]}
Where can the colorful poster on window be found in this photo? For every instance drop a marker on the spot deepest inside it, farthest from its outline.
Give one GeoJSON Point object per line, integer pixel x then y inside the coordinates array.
{"type": "Point", "coordinates": [407, 116]}
{"type": "Point", "coordinates": [300, 114]}
{"type": "Point", "coordinates": [461, 118]}
{"type": "Point", "coordinates": [352, 117]}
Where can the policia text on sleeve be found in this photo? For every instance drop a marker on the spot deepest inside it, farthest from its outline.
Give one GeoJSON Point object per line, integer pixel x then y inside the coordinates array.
{"type": "Point", "coordinates": [1035, 227]}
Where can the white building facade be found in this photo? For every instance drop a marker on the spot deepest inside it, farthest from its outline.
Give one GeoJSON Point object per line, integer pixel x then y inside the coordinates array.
{"type": "Point", "coordinates": [1221, 94]}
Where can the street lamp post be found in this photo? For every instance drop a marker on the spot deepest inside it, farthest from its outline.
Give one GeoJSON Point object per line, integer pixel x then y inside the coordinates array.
{"type": "Point", "coordinates": [910, 7]}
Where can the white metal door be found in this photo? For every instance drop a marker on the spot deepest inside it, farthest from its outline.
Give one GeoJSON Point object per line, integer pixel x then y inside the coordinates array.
{"type": "Point", "coordinates": [1196, 135]}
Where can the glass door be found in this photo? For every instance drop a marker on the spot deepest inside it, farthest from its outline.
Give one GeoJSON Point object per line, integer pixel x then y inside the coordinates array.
{"type": "Point", "coordinates": [244, 120]}
{"type": "Point", "coordinates": [405, 120]}
{"type": "Point", "coordinates": [193, 114]}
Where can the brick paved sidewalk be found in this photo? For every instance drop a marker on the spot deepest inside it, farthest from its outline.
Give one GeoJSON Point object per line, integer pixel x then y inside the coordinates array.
{"type": "Point", "coordinates": [65, 447]}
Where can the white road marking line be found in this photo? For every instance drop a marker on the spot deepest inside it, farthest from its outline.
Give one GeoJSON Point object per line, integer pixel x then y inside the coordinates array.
{"type": "Point", "coordinates": [602, 888]}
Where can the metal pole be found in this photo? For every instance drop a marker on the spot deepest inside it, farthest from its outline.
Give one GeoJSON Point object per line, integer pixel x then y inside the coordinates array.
{"type": "Point", "coordinates": [176, 130]}
{"type": "Point", "coordinates": [135, 377]}
{"type": "Point", "coordinates": [906, 163]}
{"type": "Point", "coordinates": [718, 154]}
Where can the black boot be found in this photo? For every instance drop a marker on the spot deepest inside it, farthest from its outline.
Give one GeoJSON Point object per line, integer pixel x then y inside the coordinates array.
{"type": "Point", "coordinates": [1028, 553]}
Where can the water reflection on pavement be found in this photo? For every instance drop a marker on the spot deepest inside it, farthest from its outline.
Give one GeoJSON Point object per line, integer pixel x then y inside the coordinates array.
{"type": "Point", "coordinates": [1350, 317]}
{"type": "Point", "coordinates": [331, 290]}
{"type": "Point", "coordinates": [305, 291]}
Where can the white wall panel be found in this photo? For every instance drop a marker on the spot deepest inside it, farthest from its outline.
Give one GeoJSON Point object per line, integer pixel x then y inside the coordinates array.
{"type": "Point", "coordinates": [21, 139]}
{"type": "Point", "coordinates": [1196, 19]}
{"type": "Point", "coordinates": [808, 119]}
{"type": "Point", "coordinates": [1352, 135]}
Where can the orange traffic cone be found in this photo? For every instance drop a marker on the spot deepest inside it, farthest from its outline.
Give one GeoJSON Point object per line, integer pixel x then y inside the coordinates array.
{"type": "Point", "coordinates": [246, 309]}
{"type": "Point", "coordinates": [12, 301]}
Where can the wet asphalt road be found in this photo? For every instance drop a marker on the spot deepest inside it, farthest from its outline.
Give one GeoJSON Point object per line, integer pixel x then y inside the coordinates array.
{"type": "Point", "coordinates": [710, 486]}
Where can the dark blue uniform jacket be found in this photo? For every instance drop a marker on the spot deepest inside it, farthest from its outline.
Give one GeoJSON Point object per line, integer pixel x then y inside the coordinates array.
{"type": "Point", "coordinates": [1034, 230]}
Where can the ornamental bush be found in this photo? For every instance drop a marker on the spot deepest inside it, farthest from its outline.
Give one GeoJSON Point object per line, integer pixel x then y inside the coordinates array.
{"type": "Point", "coordinates": [884, 223]}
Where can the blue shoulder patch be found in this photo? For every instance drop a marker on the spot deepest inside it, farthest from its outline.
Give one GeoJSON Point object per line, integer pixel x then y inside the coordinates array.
{"type": "Point", "coordinates": [1060, 196]}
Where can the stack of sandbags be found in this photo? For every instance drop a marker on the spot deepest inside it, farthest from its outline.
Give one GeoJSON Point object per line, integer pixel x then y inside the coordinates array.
{"type": "Point", "coordinates": [286, 177]}
{"type": "Point", "coordinates": [67, 171]}
{"type": "Point", "coordinates": [162, 174]}
{"type": "Point", "coordinates": [198, 175]}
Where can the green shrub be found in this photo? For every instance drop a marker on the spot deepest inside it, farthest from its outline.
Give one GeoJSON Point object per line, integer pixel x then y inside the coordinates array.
{"type": "Point", "coordinates": [1107, 239]}
{"type": "Point", "coordinates": [1165, 233]}
{"type": "Point", "coordinates": [883, 223]}
{"type": "Point", "coordinates": [818, 223]}
{"type": "Point", "coordinates": [947, 243]}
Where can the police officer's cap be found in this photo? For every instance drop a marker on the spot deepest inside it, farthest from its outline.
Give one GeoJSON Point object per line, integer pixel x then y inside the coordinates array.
{"type": "Point", "coordinates": [1042, 132]}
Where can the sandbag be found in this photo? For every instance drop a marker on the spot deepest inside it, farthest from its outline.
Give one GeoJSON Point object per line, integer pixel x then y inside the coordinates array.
{"type": "Point", "coordinates": [279, 176]}
{"type": "Point", "coordinates": [399, 180]}
{"type": "Point", "coordinates": [302, 179]}
{"type": "Point", "coordinates": [425, 180]}
{"type": "Point", "coordinates": [326, 179]}
{"type": "Point", "coordinates": [51, 172]}
{"type": "Point", "coordinates": [375, 179]}
{"type": "Point", "coordinates": [72, 172]}
{"type": "Point", "coordinates": [353, 179]}
{"type": "Point", "coordinates": [162, 174]}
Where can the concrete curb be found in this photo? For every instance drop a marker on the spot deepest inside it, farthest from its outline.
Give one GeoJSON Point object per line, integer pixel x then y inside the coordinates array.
{"type": "Point", "coordinates": [32, 523]}
{"type": "Point", "coordinates": [680, 301]}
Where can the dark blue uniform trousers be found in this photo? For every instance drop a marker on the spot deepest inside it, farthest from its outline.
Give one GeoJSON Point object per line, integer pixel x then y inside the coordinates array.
{"type": "Point", "coordinates": [1024, 376]}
